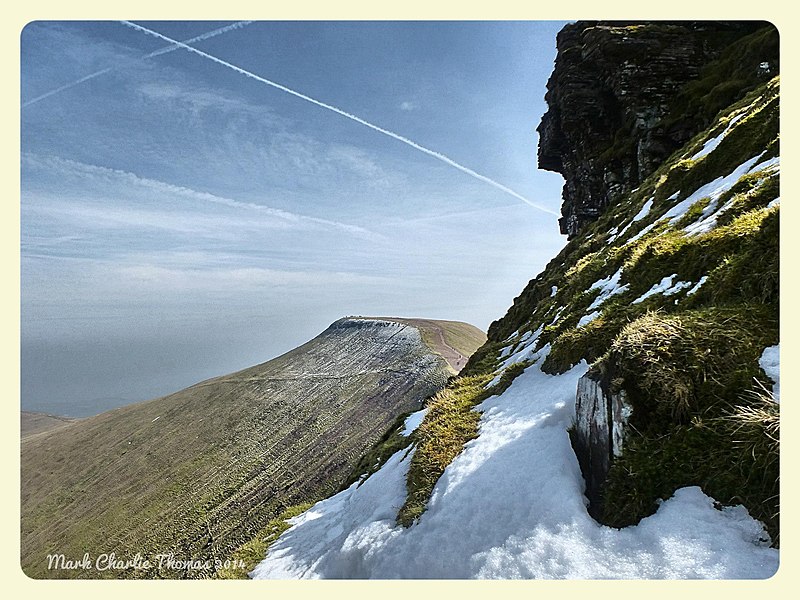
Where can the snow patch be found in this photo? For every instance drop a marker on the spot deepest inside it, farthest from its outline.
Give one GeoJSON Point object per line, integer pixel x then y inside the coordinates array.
{"type": "Point", "coordinates": [412, 422]}
{"type": "Point", "coordinates": [608, 287]}
{"type": "Point", "coordinates": [697, 285]}
{"type": "Point", "coordinates": [643, 212]}
{"type": "Point", "coordinates": [665, 287]}
{"type": "Point", "coordinates": [525, 349]}
{"type": "Point", "coordinates": [558, 315]}
{"type": "Point", "coordinates": [770, 361]}
{"type": "Point", "coordinates": [586, 319]}
{"type": "Point", "coordinates": [712, 144]}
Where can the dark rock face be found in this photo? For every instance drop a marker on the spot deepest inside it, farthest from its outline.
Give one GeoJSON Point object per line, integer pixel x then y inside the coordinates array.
{"type": "Point", "coordinates": [612, 118]}
{"type": "Point", "coordinates": [600, 419]}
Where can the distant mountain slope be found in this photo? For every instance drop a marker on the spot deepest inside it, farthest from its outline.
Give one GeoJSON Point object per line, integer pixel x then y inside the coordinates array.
{"type": "Point", "coordinates": [32, 423]}
{"type": "Point", "coordinates": [198, 473]}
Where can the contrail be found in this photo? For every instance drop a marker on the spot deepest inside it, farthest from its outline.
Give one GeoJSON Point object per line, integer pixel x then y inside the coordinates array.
{"type": "Point", "coordinates": [159, 52]}
{"type": "Point", "coordinates": [339, 111]}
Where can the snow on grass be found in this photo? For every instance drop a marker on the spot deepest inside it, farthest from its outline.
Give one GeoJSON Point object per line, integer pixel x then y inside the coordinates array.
{"type": "Point", "coordinates": [525, 349]}
{"type": "Point", "coordinates": [558, 315]}
{"type": "Point", "coordinates": [770, 361]}
{"type": "Point", "coordinates": [608, 287]}
{"type": "Point", "coordinates": [412, 422]}
{"type": "Point", "coordinates": [665, 287]}
{"type": "Point", "coordinates": [554, 291]}
{"type": "Point", "coordinates": [643, 212]}
{"type": "Point", "coordinates": [511, 505]}
{"type": "Point", "coordinates": [712, 144]}
{"type": "Point", "coordinates": [586, 319]}
{"type": "Point", "coordinates": [771, 165]}
{"type": "Point", "coordinates": [715, 189]}
{"type": "Point", "coordinates": [708, 219]}
{"type": "Point", "coordinates": [774, 202]}
{"type": "Point", "coordinates": [697, 285]}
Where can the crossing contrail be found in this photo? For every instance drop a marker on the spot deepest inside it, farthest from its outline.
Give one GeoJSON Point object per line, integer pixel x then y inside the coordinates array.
{"type": "Point", "coordinates": [159, 52]}
{"type": "Point", "coordinates": [339, 111]}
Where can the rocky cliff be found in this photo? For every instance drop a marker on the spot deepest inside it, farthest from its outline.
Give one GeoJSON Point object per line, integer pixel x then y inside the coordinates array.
{"type": "Point", "coordinates": [624, 96]}
{"type": "Point", "coordinates": [669, 285]}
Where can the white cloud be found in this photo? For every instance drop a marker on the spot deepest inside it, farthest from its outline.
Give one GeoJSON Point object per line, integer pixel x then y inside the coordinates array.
{"type": "Point", "coordinates": [110, 215]}
{"type": "Point", "coordinates": [408, 105]}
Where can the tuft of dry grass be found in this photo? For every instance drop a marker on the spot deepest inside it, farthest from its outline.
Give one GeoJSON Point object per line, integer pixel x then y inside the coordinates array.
{"type": "Point", "coordinates": [449, 424]}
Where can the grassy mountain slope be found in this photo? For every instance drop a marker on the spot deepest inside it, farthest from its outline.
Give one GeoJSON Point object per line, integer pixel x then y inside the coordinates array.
{"type": "Point", "coordinates": [198, 473]}
{"type": "Point", "coordinates": [671, 295]}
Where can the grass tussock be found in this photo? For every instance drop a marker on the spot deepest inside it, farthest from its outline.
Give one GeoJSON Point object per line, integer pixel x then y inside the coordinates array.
{"type": "Point", "coordinates": [449, 424]}
{"type": "Point", "coordinates": [678, 365]}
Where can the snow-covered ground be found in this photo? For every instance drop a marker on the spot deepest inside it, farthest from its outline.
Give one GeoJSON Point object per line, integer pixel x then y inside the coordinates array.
{"type": "Point", "coordinates": [770, 361]}
{"type": "Point", "coordinates": [511, 505]}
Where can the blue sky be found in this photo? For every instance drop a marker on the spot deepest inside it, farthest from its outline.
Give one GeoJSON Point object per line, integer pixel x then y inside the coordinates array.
{"type": "Point", "coordinates": [180, 220]}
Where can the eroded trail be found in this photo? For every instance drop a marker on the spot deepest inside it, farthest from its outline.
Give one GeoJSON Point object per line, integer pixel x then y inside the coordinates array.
{"type": "Point", "coordinates": [435, 336]}
{"type": "Point", "coordinates": [453, 357]}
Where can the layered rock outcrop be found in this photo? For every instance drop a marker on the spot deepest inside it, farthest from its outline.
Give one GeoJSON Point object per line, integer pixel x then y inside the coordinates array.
{"type": "Point", "coordinates": [620, 104]}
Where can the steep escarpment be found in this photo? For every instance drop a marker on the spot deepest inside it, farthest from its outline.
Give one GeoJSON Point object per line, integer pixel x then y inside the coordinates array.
{"type": "Point", "coordinates": [622, 420]}
{"type": "Point", "coordinates": [670, 292]}
{"type": "Point", "coordinates": [624, 96]}
{"type": "Point", "coordinates": [197, 474]}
